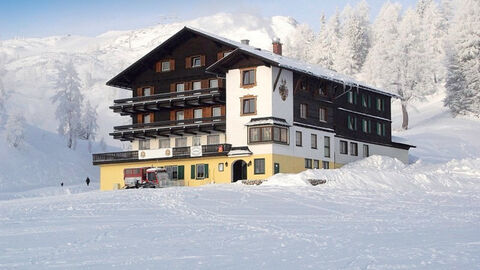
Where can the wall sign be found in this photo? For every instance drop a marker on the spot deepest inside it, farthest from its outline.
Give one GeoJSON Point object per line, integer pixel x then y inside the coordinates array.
{"type": "Point", "coordinates": [196, 151]}
{"type": "Point", "coordinates": [155, 153]}
{"type": "Point", "coordinates": [283, 89]}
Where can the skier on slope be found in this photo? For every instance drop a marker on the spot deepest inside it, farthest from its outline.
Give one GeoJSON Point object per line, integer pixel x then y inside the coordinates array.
{"type": "Point", "coordinates": [87, 181]}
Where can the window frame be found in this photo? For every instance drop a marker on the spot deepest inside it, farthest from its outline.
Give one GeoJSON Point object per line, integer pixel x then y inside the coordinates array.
{"type": "Point", "coordinates": [326, 153]}
{"type": "Point", "coordinates": [353, 149]}
{"type": "Point", "coordinates": [242, 105]}
{"type": "Point", "coordinates": [316, 164]}
{"type": "Point", "coordinates": [181, 139]}
{"type": "Point", "coordinates": [197, 171]}
{"type": "Point", "coordinates": [343, 150]}
{"type": "Point", "coordinates": [162, 69]}
{"type": "Point", "coordinates": [261, 169]}
{"type": "Point", "coordinates": [242, 77]}
{"type": "Point", "coordinates": [325, 165]}
{"type": "Point", "coordinates": [308, 163]}
{"type": "Point", "coordinates": [323, 119]}
{"type": "Point", "coordinates": [192, 61]}
{"type": "Point", "coordinates": [297, 141]}
{"type": "Point", "coordinates": [313, 142]}
{"type": "Point", "coordinates": [303, 110]}
{"type": "Point", "coordinates": [366, 153]}
{"type": "Point", "coordinates": [209, 137]}
{"type": "Point", "coordinates": [160, 144]}
{"type": "Point", "coordinates": [272, 138]}
{"type": "Point", "coordinates": [199, 83]}
{"type": "Point", "coordinates": [195, 117]}
{"type": "Point", "coordinates": [144, 144]}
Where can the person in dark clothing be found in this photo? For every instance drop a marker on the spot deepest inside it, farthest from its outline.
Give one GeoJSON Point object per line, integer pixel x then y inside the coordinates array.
{"type": "Point", "coordinates": [87, 181]}
{"type": "Point", "coordinates": [61, 184]}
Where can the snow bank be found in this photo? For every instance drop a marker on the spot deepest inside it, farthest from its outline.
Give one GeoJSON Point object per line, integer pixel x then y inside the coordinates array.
{"type": "Point", "coordinates": [379, 173]}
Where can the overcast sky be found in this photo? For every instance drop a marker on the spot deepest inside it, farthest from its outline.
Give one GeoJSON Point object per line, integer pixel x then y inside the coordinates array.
{"type": "Point", "coordinates": [40, 18]}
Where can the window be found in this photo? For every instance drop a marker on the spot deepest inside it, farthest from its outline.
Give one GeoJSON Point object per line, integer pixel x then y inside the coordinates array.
{"type": "Point", "coordinates": [165, 66]}
{"type": "Point", "coordinates": [326, 164]}
{"type": "Point", "coordinates": [254, 135]}
{"type": "Point", "coordinates": [220, 167]}
{"type": "Point", "coordinates": [298, 138]}
{"type": "Point", "coordinates": [352, 122]}
{"type": "Point", "coordinates": [353, 149]}
{"type": "Point", "coordinates": [144, 144]}
{"type": "Point", "coordinates": [322, 114]}
{"type": "Point", "coordinates": [264, 134]}
{"type": "Point", "coordinates": [308, 163]}
{"type": "Point", "coordinates": [226, 53]}
{"type": "Point", "coordinates": [196, 140]}
{"type": "Point", "coordinates": [343, 147]}
{"type": "Point", "coordinates": [350, 97]}
{"type": "Point", "coordinates": [249, 106]}
{"type": "Point", "coordinates": [216, 112]}
{"type": "Point", "coordinates": [259, 165]}
{"type": "Point", "coordinates": [303, 111]}
{"type": "Point", "coordinates": [197, 85]}
{"type": "Point", "coordinates": [380, 104]}
{"type": "Point", "coordinates": [196, 61]}
{"type": "Point", "coordinates": [316, 164]}
{"type": "Point", "coordinates": [381, 129]}
{"type": "Point", "coordinates": [248, 77]}
{"type": "Point", "coordinates": [201, 171]}
{"type": "Point", "coordinates": [322, 91]}
{"type": "Point", "coordinates": [313, 141]}
{"type": "Point", "coordinates": [364, 100]}
{"type": "Point", "coordinates": [366, 150]}
{"type": "Point", "coordinates": [147, 119]}
{"type": "Point", "coordinates": [326, 146]}
{"type": "Point", "coordinates": [179, 116]}
{"type": "Point", "coordinates": [213, 139]}
{"type": "Point", "coordinates": [365, 124]}
{"type": "Point", "coordinates": [147, 91]}
{"type": "Point", "coordinates": [164, 143]}
{"type": "Point", "coordinates": [180, 142]}
{"type": "Point", "coordinates": [198, 114]}
{"type": "Point", "coordinates": [213, 83]}
{"type": "Point", "coordinates": [180, 87]}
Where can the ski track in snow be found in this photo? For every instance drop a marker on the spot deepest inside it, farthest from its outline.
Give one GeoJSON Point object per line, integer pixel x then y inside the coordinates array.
{"type": "Point", "coordinates": [238, 227]}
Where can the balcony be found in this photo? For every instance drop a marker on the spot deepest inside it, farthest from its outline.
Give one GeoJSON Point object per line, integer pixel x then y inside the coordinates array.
{"type": "Point", "coordinates": [169, 128]}
{"type": "Point", "coordinates": [173, 100]}
{"type": "Point", "coordinates": [177, 152]}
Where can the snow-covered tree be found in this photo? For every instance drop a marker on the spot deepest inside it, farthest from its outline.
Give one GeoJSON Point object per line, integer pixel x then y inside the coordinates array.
{"type": "Point", "coordinates": [378, 69]}
{"type": "Point", "coordinates": [15, 129]}
{"type": "Point", "coordinates": [355, 41]}
{"type": "Point", "coordinates": [463, 76]}
{"type": "Point", "coordinates": [69, 101]}
{"type": "Point", "coordinates": [409, 63]}
{"type": "Point", "coordinates": [297, 44]}
{"type": "Point", "coordinates": [324, 47]}
{"type": "Point", "coordinates": [89, 125]}
{"type": "Point", "coordinates": [3, 100]}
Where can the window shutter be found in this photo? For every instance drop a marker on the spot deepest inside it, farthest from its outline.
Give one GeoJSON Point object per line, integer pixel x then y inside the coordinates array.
{"type": "Point", "coordinates": [188, 62]}
{"type": "Point", "coordinates": [172, 64]}
{"type": "Point", "coordinates": [139, 118]}
{"type": "Point", "coordinates": [219, 55]}
{"type": "Point", "coordinates": [192, 172]}
{"type": "Point", "coordinates": [139, 92]}
{"type": "Point", "coordinates": [152, 92]}
{"type": "Point", "coordinates": [202, 60]}
{"type": "Point", "coordinates": [220, 82]}
{"type": "Point", "coordinates": [205, 84]}
{"type": "Point", "coordinates": [207, 112]}
{"type": "Point", "coordinates": [189, 114]}
{"type": "Point", "coordinates": [181, 172]}
{"type": "Point", "coordinates": [188, 86]}
{"type": "Point", "coordinates": [172, 115]}
{"type": "Point", "coordinates": [206, 170]}
{"type": "Point", "coordinates": [173, 87]}
{"type": "Point", "coordinates": [152, 116]}
{"type": "Point", "coordinates": [158, 66]}
{"type": "Point", "coordinates": [223, 110]}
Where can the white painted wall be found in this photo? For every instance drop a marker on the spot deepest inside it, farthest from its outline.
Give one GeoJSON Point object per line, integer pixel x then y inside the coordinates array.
{"type": "Point", "coordinates": [374, 149]}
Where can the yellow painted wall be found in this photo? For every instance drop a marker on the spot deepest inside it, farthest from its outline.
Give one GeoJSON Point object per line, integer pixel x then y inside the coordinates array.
{"type": "Point", "coordinates": [111, 175]}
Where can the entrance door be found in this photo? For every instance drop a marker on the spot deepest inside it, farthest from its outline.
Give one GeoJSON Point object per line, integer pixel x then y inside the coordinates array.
{"type": "Point", "coordinates": [239, 170]}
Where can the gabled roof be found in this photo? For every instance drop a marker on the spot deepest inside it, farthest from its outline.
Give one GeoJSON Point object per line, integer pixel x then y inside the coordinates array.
{"type": "Point", "coordinates": [294, 65]}
{"type": "Point", "coordinates": [122, 79]}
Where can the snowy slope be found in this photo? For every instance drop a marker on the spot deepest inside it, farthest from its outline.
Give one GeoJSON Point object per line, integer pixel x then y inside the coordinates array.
{"type": "Point", "coordinates": [43, 161]}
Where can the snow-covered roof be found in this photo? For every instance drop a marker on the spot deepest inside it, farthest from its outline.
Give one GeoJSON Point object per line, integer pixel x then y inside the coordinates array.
{"type": "Point", "coordinates": [267, 121]}
{"type": "Point", "coordinates": [291, 64]}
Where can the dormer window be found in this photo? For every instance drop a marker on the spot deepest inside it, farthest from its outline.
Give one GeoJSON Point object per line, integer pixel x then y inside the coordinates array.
{"type": "Point", "coordinates": [196, 61]}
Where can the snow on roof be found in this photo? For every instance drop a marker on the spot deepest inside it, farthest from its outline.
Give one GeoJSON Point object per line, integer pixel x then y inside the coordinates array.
{"type": "Point", "coordinates": [294, 64]}
{"type": "Point", "coordinates": [267, 121]}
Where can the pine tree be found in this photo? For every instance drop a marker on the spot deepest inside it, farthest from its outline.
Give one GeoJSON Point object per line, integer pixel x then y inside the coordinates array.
{"type": "Point", "coordinates": [378, 69]}
{"type": "Point", "coordinates": [298, 43]}
{"type": "Point", "coordinates": [325, 45]}
{"type": "Point", "coordinates": [15, 129]}
{"type": "Point", "coordinates": [69, 100]}
{"type": "Point", "coordinates": [89, 124]}
{"type": "Point", "coordinates": [463, 75]}
{"type": "Point", "coordinates": [355, 42]}
{"type": "Point", "coordinates": [3, 100]}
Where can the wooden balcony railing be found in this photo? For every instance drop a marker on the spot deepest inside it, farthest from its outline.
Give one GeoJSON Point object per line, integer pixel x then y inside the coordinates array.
{"type": "Point", "coordinates": [171, 123]}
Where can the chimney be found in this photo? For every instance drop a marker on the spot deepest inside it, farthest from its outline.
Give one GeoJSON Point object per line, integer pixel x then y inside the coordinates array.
{"type": "Point", "coordinates": [277, 46]}
{"type": "Point", "coordinates": [245, 41]}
